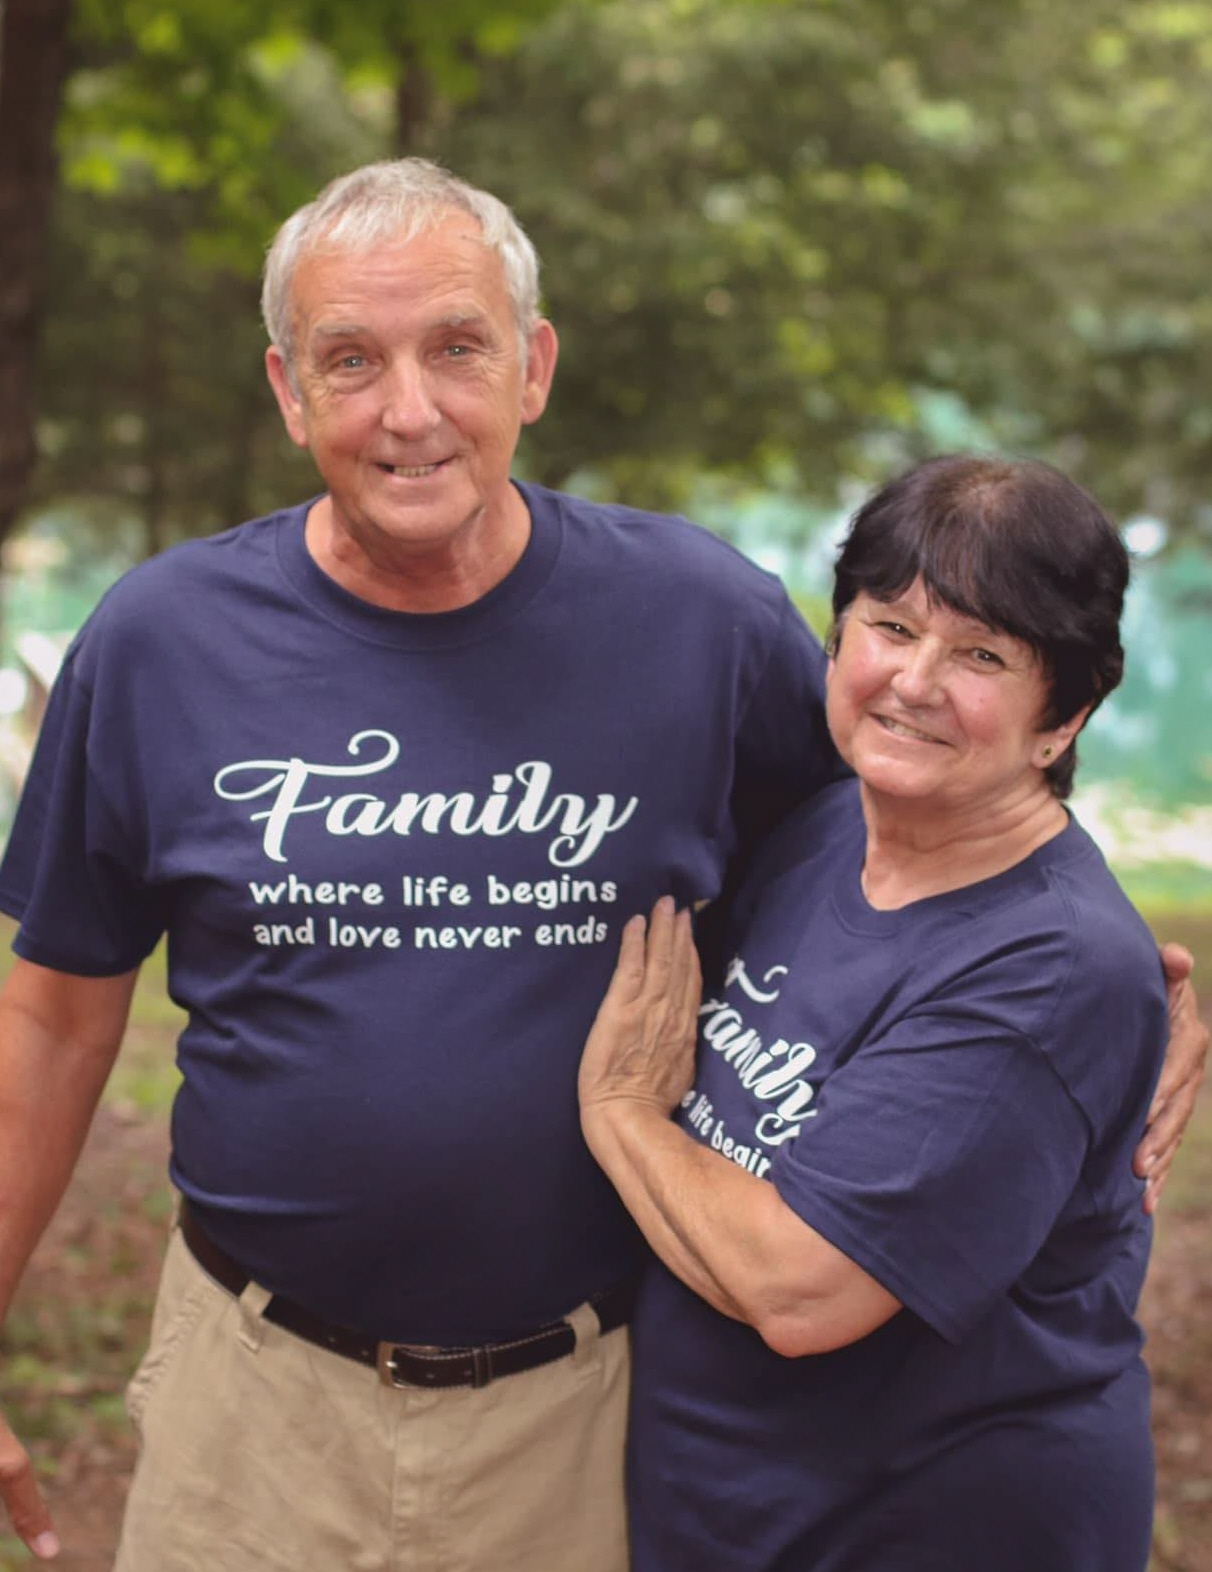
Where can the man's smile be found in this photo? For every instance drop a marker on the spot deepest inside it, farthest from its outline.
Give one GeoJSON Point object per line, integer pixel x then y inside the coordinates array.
{"type": "Point", "coordinates": [413, 471]}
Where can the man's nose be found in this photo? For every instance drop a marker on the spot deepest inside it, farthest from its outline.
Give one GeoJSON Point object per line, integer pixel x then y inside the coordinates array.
{"type": "Point", "coordinates": [409, 409]}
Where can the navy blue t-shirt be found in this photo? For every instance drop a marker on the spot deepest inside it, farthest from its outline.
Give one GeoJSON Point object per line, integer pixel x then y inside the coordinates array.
{"type": "Point", "coordinates": [393, 855]}
{"type": "Point", "coordinates": [949, 1093]}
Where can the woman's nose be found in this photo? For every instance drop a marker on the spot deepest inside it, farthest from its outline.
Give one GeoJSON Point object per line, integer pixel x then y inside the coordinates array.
{"type": "Point", "coordinates": [917, 679]}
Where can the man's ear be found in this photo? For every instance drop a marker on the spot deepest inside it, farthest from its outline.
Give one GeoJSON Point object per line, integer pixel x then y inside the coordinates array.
{"type": "Point", "coordinates": [289, 402]}
{"type": "Point", "coordinates": [543, 352]}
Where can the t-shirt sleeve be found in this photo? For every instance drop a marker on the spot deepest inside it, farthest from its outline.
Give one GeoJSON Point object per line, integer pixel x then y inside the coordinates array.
{"type": "Point", "coordinates": [784, 750]}
{"type": "Point", "coordinates": [71, 874]}
{"type": "Point", "coordinates": [784, 755]}
{"type": "Point", "coordinates": [939, 1159]}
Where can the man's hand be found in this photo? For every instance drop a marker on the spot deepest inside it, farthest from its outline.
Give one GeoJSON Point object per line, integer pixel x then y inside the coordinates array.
{"type": "Point", "coordinates": [1180, 1080]}
{"type": "Point", "coordinates": [23, 1499]}
{"type": "Point", "coordinates": [641, 1047]}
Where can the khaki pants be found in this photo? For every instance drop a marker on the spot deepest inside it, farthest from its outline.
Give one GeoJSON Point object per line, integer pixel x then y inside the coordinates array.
{"type": "Point", "coordinates": [258, 1450]}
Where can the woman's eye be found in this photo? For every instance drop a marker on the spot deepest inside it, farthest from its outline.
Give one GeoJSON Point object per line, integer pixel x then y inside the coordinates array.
{"type": "Point", "coordinates": [987, 658]}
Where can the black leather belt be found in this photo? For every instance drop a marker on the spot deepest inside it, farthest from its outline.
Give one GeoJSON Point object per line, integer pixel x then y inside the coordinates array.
{"type": "Point", "coordinates": [404, 1364]}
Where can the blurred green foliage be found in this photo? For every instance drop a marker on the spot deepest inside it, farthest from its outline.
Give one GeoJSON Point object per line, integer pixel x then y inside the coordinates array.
{"type": "Point", "coordinates": [776, 234]}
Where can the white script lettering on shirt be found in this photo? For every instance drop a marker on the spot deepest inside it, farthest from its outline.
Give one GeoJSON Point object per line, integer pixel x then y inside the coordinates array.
{"type": "Point", "coordinates": [772, 1071]}
{"type": "Point", "coordinates": [736, 973]}
{"type": "Point", "coordinates": [520, 802]}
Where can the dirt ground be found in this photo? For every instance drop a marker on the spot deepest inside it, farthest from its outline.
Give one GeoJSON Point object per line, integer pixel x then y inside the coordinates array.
{"type": "Point", "coordinates": [80, 1319]}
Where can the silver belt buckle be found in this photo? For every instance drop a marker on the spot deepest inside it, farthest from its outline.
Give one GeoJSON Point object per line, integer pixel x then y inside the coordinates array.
{"type": "Point", "coordinates": [385, 1364]}
{"type": "Point", "coordinates": [385, 1361]}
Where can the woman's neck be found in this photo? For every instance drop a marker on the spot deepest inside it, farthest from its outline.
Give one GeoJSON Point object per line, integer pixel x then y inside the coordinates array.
{"type": "Point", "coordinates": [914, 851]}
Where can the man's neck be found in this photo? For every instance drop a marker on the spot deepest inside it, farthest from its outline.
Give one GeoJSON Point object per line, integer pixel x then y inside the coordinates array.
{"type": "Point", "coordinates": [400, 576]}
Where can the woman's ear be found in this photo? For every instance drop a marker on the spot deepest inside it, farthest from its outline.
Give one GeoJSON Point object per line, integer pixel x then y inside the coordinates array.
{"type": "Point", "coordinates": [1050, 745]}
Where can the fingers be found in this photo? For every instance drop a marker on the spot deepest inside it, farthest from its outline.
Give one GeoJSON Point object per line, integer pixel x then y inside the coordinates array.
{"type": "Point", "coordinates": [1182, 1009]}
{"type": "Point", "coordinates": [662, 928]}
{"type": "Point", "coordinates": [640, 1049]}
{"type": "Point", "coordinates": [686, 959]}
{"type": "Point", "coordinates": [1155, 1179]}
{"type": "Point", "coordinates": [1177, 962]}
{"type": "Point", "coordinates": [627, 979]}
{"type": "Point", "coordinates": [1180, 1080]}
{"type": "Point", "coordinates": [673, 961]}
{"type": "Point", "coordinates": [1178, 1086]}
{"type": "Point", "coordinates": [1167, 1120]}
{"type": "Point", "coordinates": [19, 1489]}
{"type": "Point", "coordinates": [657, 959]}
{"type": "Point", "coordinates": [646, 947]}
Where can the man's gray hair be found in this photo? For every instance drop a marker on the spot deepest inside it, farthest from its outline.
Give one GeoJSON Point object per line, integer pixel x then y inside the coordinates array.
{"type": "Point", "coordinates": [393, 201]}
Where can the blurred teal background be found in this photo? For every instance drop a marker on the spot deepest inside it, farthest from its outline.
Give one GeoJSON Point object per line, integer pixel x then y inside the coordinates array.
{"type": "Point", "coordinates": [1145, 781]}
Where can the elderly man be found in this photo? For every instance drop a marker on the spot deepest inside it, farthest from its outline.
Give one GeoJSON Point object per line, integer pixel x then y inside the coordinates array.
{"type": "Point", "coordinates": [390, 769]}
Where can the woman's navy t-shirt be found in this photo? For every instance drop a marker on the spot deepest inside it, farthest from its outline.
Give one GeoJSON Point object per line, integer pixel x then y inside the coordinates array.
{"type": "Point", "coordinates": [950, 1093]}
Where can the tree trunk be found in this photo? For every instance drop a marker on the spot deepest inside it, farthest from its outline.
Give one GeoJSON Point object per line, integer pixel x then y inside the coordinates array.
{"type": "Point", "coordinates": [33, 66]}
{"type": "Point", "coordinates": [153, 395]}
{"type": "Point", "coordinates": [250, 407]}
{"type": "Point", "coordinates": [414, 102]}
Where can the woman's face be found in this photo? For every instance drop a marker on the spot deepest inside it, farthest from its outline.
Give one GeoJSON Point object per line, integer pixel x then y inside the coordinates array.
{"type": "Point", "coordinates": [930, 706]}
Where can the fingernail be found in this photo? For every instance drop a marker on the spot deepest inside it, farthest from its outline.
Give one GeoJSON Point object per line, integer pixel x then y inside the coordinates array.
{"type": "Point", "coordinates": [45, 1545]}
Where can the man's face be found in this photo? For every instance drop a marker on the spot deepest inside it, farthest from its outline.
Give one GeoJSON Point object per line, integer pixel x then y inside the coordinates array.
{"type": "Point", "coordinates": [410, 390]}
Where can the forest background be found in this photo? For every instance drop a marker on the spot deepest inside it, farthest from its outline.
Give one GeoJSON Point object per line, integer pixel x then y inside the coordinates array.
{"type": "Point", "coordinates": [790, 246]}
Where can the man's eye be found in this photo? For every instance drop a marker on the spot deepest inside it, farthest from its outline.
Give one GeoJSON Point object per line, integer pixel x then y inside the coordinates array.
{"type": "Point", "coordinates": [987, 658]}
{"type": "Point", "coordinates": [897, 629]}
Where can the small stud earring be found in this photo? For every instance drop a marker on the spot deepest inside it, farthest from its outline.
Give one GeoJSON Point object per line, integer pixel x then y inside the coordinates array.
{"type": "Point", "coordinates": [1048, 751]}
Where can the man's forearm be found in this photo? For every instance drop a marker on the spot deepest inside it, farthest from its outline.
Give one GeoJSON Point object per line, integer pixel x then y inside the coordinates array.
{"type": "Point", "coordinates": [59, 1036]}
{"type": "Point", "coordinates": [56, 1050]}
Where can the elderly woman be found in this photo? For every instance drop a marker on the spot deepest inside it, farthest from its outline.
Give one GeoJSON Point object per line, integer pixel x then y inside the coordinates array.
{"type": "Point", "coordinates": [893, 1324]}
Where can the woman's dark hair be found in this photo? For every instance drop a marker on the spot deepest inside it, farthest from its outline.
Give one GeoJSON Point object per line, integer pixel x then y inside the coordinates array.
{"type": "Point", "coordinates": [1018, 546]}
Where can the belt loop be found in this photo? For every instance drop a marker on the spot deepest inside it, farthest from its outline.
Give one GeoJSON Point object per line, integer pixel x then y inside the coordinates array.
{"type": "Point", "coordinates": [587, 1329]}
{"type": "Point", "coordinates": [481, 1366]}
{"type": "Point", "coordinates": [252, 1304]}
